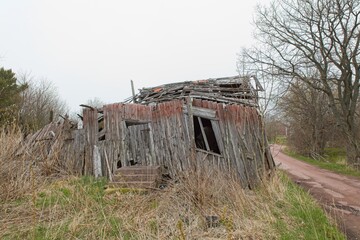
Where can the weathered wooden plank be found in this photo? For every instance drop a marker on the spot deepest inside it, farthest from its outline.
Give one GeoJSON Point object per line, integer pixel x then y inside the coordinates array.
{"type": "Point", "coordinates": [97, 162]}
{"type": "Point", "coordinates": [230, 116]}
{"type": "Point", "coordinates": [241, 129]}
{"type": "Point", "coordinates": [217, 133]}
{"type": "Point", "coordinates": [157, 142]}
{"type": "Point", "coordinates": [162, 137]}
{"type": "Point", "coordinates": [91, 128]}
{"type": "Point", "coordinates": [171, 134]}
{"type": "Point", "coordinates": [183, 137]}
{"type": "Point", "coordinates": [77, 149]}
{"type": "Point", "coordinates": [223, 135]}
{"type": "Point", "coordinates": [190, 124]}
{"type": "Point", "coordinates": [201, 112]}
{"type": "Point", "coordinates": [153, 159]}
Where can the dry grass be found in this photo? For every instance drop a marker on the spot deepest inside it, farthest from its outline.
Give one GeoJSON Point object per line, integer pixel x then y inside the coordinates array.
{"type": "Point", "coordinates": [24, 168]}
{"type": "Point", "coordinates": [81, 208]}
{"type": "Point", "coordinates": [15, 173]}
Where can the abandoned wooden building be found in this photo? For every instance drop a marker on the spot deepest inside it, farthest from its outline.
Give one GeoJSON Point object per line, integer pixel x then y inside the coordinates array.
{"type": "Point", "coordinates": [177, 126]}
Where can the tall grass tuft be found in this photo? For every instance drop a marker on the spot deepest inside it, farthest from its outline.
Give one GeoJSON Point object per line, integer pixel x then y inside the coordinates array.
{"type": "Point", "coordinates": [15, 173]}
{"type": "Point", "coordinates": [25, 167]}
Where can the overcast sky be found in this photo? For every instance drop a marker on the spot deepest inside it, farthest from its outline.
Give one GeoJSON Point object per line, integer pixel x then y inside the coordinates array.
{"type": "Point", "coordinates": [92, 48]}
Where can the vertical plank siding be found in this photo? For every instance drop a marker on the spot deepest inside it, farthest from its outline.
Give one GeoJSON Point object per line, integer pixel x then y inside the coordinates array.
{"type": "Point", "coordinates": [90, 123]}
{"type": "Point", "coordinates": [242, 133]}
{"type": "Point", "coordinates": [161, 131]}
{"type": "Point", "coordinates": [170, 139]}
{"type": "Point", "coordinates": [163, 134]}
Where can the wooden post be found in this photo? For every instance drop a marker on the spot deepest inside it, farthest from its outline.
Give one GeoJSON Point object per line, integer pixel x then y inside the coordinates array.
{"type": "Point", "coordinates": [133, 90]}
{"type": "Point", "coordinates": [90, 129]}
{"type": "Point", "coordinates": [97, 162]}
{"type": "Point", "coordinates": [108, 165]}
{"type": "Point", "coordinates": [191, 132]}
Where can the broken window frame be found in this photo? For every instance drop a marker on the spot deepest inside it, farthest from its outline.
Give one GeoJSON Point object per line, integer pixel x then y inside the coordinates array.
{"type": "Point", "coordinates": [208, 114]}
{"type": "Point", "coordinates": [208, 141]}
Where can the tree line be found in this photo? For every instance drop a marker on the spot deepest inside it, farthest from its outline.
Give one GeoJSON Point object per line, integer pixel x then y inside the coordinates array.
{"type": "Point", "coordinates": [27, 102]}
{"type": "Point", "coordinates": [311, 47]}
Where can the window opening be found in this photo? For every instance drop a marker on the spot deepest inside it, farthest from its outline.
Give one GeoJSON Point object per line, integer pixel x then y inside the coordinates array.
{"type": "Point", "coordinates": [204, 135]}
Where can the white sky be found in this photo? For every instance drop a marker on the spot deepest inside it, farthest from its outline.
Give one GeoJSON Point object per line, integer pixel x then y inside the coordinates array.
{"type": "Point", "coordinates": [92, 48]}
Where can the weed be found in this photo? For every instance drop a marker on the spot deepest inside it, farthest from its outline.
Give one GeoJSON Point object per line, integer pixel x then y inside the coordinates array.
{"type": "Point", "coordinates": [306, 216]}
{"type": "Point", "coordinates": [180, 227]}
{"type": "Point", "coordinates": [154, 227]}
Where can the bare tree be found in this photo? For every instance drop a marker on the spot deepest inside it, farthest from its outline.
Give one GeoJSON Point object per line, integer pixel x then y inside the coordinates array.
{"type": "Point", "coordinates": [317, 42]}
{"type": "Point", "coordinates": [95, 102]}
{"type": "Point", "coordinates": [273, 88]}
{"type": "Point", "coordinates": [310, 119]}
{"type": "Point", "coordinates": [40, 103]}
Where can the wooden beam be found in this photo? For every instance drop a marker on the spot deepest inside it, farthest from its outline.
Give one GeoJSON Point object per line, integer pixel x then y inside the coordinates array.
{"type": "Point", "coordinates": [210, 153]}
{"type": "Point", "coordinates": [133, 90]}
{"type": "Point", "coordinates": [131, 122]}
{"type": "Point", "coordinates": [201, 112]}
{"type": "Point", "coordinates": [87, 106]}
{"type": "Point", "coordinates": [189, 111]}
{"type": "Point", "coordinates": [203, 134]}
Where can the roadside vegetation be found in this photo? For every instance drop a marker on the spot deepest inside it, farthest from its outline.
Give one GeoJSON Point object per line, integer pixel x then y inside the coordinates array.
{"type": "Point", "coordinates": [333, 159]}
{"type": "Point", "coordinates": [81, 208]}
{"type": "Point", "coordinates": [38, 201]}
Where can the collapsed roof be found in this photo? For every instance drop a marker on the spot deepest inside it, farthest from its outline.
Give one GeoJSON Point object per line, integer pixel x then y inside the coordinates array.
{"type": "Point", "coordinates": [227, 89]}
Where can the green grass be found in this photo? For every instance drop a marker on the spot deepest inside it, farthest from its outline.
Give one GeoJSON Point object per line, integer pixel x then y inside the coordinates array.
{"type": "Point", "coordinates": [308, 220]}
{"type": "Point", "coordinates": [81, 208]}
{"type": "Point", "coordinates": [334, 160]}
{"type": "Point", "coordinates": [281, 140]}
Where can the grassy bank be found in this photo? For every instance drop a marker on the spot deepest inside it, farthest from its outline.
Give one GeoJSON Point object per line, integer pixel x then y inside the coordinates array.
{"type": "Point", "coordinates": [334, 160]}
{"type": "Point", "coordinates": [81, 208]}
{"type": "Point", "coordinates": [39, 200]}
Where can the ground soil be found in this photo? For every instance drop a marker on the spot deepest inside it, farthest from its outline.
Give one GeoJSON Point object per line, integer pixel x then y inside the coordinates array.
{"type": "Point", "coordinates": [338, 194]}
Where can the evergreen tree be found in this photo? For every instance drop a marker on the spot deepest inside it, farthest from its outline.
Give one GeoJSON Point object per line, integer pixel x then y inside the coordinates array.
{"type": "Point", "coordinates": [9, 96]}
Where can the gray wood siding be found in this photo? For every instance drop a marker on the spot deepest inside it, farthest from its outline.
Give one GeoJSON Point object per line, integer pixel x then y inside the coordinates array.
{"type": "Point", "coordinates": [163, 134]}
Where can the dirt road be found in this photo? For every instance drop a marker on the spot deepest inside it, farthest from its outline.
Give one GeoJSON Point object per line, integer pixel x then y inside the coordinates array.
{"type": "Point", "coordinates": [340, 195]}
